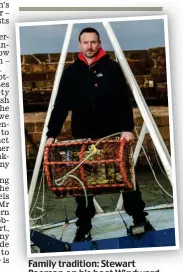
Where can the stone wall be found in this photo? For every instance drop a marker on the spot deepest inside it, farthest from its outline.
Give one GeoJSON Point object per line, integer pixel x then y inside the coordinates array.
{"type": "Point", "coordinates": [38, 72]}
{"type": "Point", "coordinates": [34, 125]}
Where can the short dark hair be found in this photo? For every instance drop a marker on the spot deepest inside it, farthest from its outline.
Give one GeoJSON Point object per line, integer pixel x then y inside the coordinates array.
{"type": "Point", "coordinates": [89, 30]}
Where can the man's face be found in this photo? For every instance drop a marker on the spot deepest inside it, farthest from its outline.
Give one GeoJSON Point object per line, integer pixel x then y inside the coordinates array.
{"type": "Point", "coordinates": [89, 44]}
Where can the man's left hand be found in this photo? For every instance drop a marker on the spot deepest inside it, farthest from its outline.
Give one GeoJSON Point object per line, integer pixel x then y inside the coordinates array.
{"type": "Point", "coordinates": [130, 138]}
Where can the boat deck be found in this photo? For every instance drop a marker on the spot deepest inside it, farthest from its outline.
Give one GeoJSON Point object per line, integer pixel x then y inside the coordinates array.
{"type": "Point", "coordinates": [111, 225]}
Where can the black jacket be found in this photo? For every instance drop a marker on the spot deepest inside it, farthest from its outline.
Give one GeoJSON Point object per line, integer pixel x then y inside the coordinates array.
{"type": "Point", "coordinates": [98, 97]}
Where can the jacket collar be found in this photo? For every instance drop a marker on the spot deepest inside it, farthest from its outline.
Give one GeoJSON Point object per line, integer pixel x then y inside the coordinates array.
{"type": "Point", "coordinates": [101, 53]}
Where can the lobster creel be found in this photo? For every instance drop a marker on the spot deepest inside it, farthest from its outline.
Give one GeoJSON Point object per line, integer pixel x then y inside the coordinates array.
{"type": "Point", "coordinates": [93, 166]}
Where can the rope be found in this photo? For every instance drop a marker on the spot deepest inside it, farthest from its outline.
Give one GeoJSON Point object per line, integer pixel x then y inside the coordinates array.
{"type": "Point", "coordinates": [160, 217]}
{"type": "Point", "coordinates": [38, 193]}
{"type": "Point", "coordinates": [37, 218]}
{"type": "Point", "coordinates": [73, 170]}
{"type": "Point", "coordinates": [82, 184]}
{"type": "Point", "coordinates": [153, 172]}
{"type": "Point", "coordinates": [163, 172]}
{"type": "Point", "coordinates": [124, 222]}
{"type": "Point", "coordinates": [94, 150]}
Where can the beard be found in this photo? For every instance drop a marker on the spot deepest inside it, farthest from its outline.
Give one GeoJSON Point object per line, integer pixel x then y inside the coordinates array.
{"type": "Point", "coordinates": [90, 54]}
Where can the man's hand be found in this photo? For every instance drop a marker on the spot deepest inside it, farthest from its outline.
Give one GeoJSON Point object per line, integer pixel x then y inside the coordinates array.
{"type": "Point", "coordinates": [50, 141]}
{"type": "Point", "coordinates": [130, 138]}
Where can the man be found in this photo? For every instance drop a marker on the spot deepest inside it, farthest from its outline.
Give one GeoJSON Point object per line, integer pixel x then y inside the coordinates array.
{"type": "Point", "coordinates": [95, 90]}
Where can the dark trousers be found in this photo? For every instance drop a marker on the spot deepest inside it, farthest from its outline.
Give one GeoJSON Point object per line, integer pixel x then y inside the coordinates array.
{"type": "Point", "coordinates": [133, 205]}
{"type": "Point", "coordinates": [84, 214]}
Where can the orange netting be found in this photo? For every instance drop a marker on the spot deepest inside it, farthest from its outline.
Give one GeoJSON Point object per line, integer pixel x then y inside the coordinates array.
{"type": "Point", "coordinates": [102, 167]}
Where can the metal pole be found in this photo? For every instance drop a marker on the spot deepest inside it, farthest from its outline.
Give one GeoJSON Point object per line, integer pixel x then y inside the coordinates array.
{"type": "Point", "coordinates": [146, 114]}
{"type": "Point", "coordinates": [139, 143]}
{"type": "Point", "coordinates": [135, 157]}
{"type": "Point", "coordinates": [97, 206]}
{"type": "Point", "coordinates": [51, 104]}
{"type": "Point", "coordinates": [119, 205]}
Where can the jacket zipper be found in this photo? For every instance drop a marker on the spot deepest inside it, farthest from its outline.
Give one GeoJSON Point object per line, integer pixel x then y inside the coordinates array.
{"type": "Point", "coordinates": [93, 99]}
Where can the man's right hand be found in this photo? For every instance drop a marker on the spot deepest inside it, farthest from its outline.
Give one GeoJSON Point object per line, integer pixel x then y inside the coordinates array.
{"type": "Point", "coordinates": [50, 141]}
